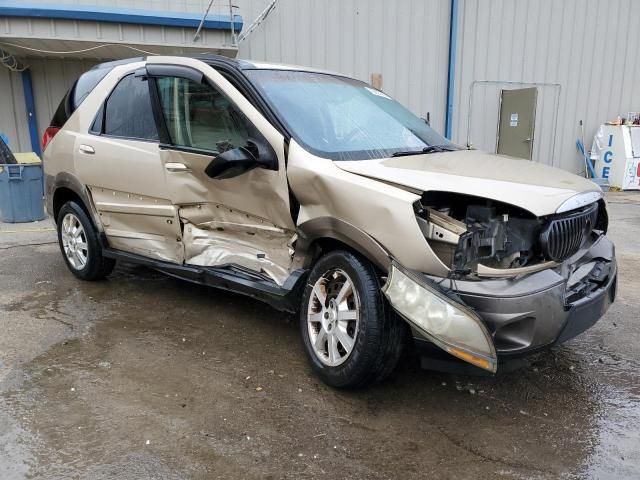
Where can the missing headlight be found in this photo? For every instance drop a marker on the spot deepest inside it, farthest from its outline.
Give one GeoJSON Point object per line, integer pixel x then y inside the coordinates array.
{"type": "Point", "coordinates": [465, 231]}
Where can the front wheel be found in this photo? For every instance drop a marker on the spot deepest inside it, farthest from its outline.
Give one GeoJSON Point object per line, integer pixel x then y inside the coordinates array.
{"type": "Point", "coordinates": [79, 244]}
{"type": "Point", "coordinates": [351, 336]}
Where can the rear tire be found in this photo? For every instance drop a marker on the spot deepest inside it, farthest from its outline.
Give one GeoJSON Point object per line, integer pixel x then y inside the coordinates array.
{"type": "Point", "coordinates": [79, 244]}
{"type": "Point", "coordinates": [351, 335]}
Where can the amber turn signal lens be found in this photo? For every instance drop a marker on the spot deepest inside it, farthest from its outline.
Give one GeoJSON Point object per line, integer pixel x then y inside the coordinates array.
{"type": "Point", "coordinates": [467, 357]}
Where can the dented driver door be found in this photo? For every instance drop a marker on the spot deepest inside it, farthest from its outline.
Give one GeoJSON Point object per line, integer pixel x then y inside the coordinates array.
{"type": "Point", "coordinates": [118, 159]}
{"type": "Point", "coordinates": [243, 221]}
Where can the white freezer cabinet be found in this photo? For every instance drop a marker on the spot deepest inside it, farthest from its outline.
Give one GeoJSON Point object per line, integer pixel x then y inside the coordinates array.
{"type": "Point", "coordinates": [616, 155]}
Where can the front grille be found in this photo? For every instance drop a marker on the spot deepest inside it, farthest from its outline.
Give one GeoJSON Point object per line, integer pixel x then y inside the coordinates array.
{"type": "Point", "coordinates": [561, 237]}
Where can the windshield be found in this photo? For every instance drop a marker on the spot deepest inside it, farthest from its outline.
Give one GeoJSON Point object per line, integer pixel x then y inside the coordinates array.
{"type": "Point", "coordinates": [344, 119]}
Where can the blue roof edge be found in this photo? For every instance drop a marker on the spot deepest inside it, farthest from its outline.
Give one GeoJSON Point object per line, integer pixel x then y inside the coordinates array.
{"type": "Point", "coordinates": [94, 13]}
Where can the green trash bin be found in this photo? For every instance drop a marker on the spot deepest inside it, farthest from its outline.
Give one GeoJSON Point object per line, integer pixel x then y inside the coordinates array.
{"type": "Point", "coordinates": [21, 194]}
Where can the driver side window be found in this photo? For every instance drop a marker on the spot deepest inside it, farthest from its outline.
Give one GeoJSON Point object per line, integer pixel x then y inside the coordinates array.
{"type": "Point", "coordinates": [198, 116]}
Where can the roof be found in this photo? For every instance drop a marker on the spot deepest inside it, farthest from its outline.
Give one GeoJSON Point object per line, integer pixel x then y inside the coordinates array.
{"type": "Point", "coordinates": [237, 63]}
{"type": "Point", "coordinates": [243, 64]}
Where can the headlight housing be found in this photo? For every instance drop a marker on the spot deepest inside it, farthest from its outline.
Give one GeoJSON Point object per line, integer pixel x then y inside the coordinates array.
{"type": "Point", "coordinates": [450, 325]}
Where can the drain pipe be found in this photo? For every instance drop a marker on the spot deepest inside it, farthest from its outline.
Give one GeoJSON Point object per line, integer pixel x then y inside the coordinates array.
{"type": "Point", "coordinates": [30, 104]}
{"type": "Point", "coordinates": [451, 74]}
{"type": "Point", "coordinates": [14, 65]}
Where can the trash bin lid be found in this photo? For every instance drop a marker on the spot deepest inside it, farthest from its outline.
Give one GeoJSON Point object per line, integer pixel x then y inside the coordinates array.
{"type": "Point", "coordinates": [27, 158]}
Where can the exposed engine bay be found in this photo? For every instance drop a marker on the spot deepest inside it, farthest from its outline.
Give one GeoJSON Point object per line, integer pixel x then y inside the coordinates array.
{"type": "Point", "coordinates": [473, 235]}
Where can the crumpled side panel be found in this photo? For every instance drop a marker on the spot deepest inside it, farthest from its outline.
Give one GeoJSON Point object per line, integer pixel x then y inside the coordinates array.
{"type": "Point", "coordinates": [235, 238]}
{"type": "Point", "coordinates": [139, 224]}
{"type": "Point", "coordinates": [122, 236]}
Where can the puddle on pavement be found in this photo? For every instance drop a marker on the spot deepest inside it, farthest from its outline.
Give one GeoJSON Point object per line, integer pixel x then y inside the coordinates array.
{"type": "Point", "coordinates": [617, 442]}
{"type": "Point", "coordinates": [218, 384]}
{"type": "Point", "coordinates": [16, 445]}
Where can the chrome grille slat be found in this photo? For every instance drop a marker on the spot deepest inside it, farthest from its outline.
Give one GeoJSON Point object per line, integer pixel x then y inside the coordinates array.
{"type": "Point", "coordinates": [563, 236]}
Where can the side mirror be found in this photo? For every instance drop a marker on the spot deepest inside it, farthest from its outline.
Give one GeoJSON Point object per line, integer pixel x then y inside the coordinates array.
{"type": "Point", "coordinates": [231, 163]}
{"type": "Point", "coordinates": [237, 161]}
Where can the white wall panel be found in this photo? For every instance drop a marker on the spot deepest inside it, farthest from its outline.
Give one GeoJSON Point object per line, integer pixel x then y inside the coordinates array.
{"type": "Point", "coordinates": [51, 79]}
{"type": "Point", "coordinates": [13, 116]}
{"type": "Point", "coordinates": [583, 54]}
{"type": "Point", "coordinates": [589, 48]}
{"type": "Point", "coordinates": [404, 40]}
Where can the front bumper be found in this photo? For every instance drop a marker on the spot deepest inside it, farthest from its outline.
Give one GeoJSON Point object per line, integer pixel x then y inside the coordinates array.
{"type": "Point", "coordinates": [528, 314]}
{"type": "Point", "coordinates": [535, 312]}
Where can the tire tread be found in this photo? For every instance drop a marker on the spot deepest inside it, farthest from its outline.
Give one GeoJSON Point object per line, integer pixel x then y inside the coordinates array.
{"type": "Point", "coordinates": [385, 332]}
{"type": "Point", "coordinates": [98, 266]}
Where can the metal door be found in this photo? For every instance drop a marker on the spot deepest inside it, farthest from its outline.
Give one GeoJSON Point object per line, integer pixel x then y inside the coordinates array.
{"type": "Point", "coordinates": [517, 121]}
{"type": "Point", "coordinates": [244, 220]}
{"type": "Point", "coordinates": [119, 162]}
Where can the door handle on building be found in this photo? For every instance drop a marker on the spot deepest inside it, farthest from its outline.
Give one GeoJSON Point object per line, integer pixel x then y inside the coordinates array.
{"type": "Point", "coordinates": [88, 149]}
{"type": "Point", "coordinates": [176, 167]}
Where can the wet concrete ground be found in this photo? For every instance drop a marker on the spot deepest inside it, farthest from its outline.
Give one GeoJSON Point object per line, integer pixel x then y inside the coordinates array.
{"type": "Point", "coordinates": [143, 376]}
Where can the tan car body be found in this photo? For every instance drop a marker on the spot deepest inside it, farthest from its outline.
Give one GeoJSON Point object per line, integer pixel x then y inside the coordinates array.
{"type": "Point", "coordinates": [159, 203]}
{"type": "Point", "coordinates": [140, 210]}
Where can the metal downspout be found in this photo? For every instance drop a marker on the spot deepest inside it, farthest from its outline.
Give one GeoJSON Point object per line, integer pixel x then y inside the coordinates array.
{"type": "Point", "coordinates": [30, 104]}
{"type": "Point", "coordinates": [451, 74]}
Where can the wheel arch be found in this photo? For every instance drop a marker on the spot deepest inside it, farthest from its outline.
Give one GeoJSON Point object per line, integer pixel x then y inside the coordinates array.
{"type": "Point", "coordinates": [323, 234]}
{"type": "Point", "coordinates": [67, 188]}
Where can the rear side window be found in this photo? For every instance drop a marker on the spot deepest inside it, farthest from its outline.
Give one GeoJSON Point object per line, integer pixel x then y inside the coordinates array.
{"type": "Point", "coordinates": [128, 112]}
{"type": "Point", "coordinates": [80, 89]}
{"type": "Point", "coordinates": [86, 83]}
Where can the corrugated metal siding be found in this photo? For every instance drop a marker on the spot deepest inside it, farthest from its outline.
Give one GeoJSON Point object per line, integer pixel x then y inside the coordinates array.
{"type": "Point", "coordinates": [584, 52]}
{"type": "Point", "coordinates": [404, 40]}
{"type": "Point", "coordinates": [66, 35]}
{"type": "Point", "coordinates": [220, 7]}
{"type": "Point", "coordinates": [13, 116]}
{"type": "Point", "coordinates": [582, 55]}
{"type": "Point", "coordinates": [51, 80]}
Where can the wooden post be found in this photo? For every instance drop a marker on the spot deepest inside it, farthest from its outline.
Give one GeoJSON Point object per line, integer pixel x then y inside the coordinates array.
{"type": "Point", "coordinates": [376, 80]}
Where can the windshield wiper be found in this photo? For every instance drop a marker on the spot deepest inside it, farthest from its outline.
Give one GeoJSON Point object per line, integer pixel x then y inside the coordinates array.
{"type": "Point", "coordinates": [428, 149]}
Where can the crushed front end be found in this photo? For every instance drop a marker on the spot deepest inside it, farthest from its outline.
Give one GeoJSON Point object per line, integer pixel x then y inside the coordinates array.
{"type": "Point", "coordinates": [532, 281]}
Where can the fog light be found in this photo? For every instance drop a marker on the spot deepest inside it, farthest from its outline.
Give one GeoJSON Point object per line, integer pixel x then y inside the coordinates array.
{"type": "Point", "coordinates": [447, 323]}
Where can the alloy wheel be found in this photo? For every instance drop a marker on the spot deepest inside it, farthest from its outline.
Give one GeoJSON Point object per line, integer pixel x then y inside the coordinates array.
{"type": "Point", "coordinates": [74, 241]}
{"type": "Point", "coordinates": [333, 317]}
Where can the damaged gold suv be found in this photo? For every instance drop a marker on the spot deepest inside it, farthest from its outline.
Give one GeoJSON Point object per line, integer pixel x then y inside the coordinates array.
{"type": "Point", "coordinates": [321, 195]}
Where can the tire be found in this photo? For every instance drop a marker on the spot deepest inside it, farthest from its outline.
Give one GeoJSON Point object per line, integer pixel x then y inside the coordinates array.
{"type": "Point", "coordinates": [376, 336]}
{"type": "Point", "coordinates": [79, 244]}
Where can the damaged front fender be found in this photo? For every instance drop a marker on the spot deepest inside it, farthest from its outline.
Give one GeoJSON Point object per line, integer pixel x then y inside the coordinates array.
{"type": "Point", "coordinates": [327, 227]}
{"type": "Point", "coordinates": [448, 323]}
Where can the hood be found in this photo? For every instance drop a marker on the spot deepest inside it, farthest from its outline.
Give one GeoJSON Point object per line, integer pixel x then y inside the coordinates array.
{"type": "Point", "coordinates": [529, 185]}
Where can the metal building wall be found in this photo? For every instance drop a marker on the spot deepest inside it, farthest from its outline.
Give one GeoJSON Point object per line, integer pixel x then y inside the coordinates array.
{"type": "Point", "coordinates": [13, 116]}
{"type": "Point", "coordinates": [52, 76]}
{"type": "Point", "coordinates": [51, 80]}
{"type": "Point", "coordinates": [583, 55]}
{"type": "Point", "coordinates": [404, 40]}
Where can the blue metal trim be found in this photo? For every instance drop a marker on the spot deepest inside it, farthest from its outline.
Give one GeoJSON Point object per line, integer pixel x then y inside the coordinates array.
{"type": "Point", "coordinates": [30, 105]}
{"type": "Point", "coordinates": [95, 13]}
{"type": "Point", "coordinates": [451, 74]}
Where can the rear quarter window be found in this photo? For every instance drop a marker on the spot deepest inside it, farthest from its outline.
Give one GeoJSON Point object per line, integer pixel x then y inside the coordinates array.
{"type": "Point", "coordinates": [80, 89]}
